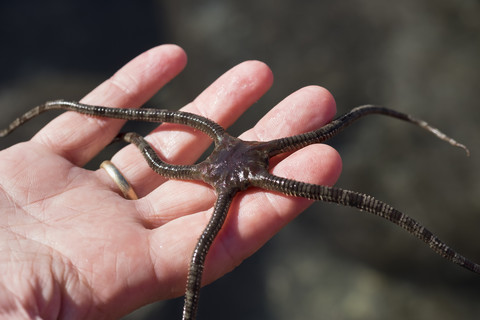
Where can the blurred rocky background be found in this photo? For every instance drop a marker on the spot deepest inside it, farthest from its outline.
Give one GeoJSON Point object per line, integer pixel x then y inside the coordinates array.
{"type": "Point", "coordinates": [420, 57]}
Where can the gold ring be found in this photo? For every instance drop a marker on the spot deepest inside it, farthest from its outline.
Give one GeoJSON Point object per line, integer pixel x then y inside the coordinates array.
{"type": "Point", "coordinates": [119, 179]}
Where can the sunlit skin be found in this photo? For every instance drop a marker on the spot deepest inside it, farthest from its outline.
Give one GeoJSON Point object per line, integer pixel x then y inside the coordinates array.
{"type": "Point", "coordinates": [258, 171]}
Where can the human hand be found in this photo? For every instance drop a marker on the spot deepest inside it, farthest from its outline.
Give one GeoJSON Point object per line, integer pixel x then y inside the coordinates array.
{"type": "Point", "coordinates": [72, 247]}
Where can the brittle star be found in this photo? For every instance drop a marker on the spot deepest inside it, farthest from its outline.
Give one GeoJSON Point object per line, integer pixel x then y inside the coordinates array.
{"type": "Point", "coordinates": [235, 165]}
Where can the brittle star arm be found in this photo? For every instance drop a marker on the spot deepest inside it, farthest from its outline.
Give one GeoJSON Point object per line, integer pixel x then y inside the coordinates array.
{"type": "Point", "coordinates": [197, 262]}
{"type": "Point", "coordinates": [335, 126]}
{"type": "Point", "coordinates": [211, 128]}
{"type": "Point", "coordinates": [365, 203]}
{"type": "Point", "coordinates": [183, 172]}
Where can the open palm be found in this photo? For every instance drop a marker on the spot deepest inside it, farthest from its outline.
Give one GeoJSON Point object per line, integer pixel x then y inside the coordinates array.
{"type": "Point", "coordinates": [72, 247]}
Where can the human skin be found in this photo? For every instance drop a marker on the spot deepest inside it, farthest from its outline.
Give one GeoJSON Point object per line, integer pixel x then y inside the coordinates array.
{"type": "Point", "coordinates": [72, 247]}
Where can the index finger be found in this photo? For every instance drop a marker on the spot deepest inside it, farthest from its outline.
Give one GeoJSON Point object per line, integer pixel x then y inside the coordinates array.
{"type": "Point", "coordinates": [78, 137]}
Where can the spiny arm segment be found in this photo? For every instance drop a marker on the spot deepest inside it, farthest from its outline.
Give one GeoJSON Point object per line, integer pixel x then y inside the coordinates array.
{"type": "Point", "coordinates": [211, 128]}
{"type": "Point", "coordinates": [365, 203]}
{"type": "Point", "coordinates": [334, 127]}
{"type": "Point", "coordinates": [195, 271]}
{"type": "Point", "coordinates": [182, 172]}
